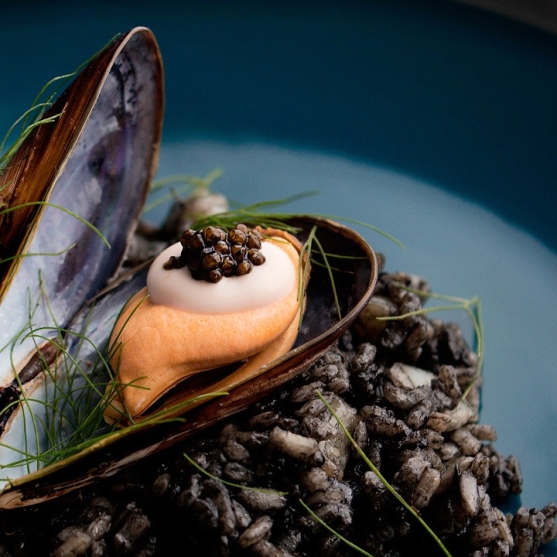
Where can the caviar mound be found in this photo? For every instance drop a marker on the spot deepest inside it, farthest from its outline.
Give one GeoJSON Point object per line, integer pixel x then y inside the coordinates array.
{"type": "Point", "coordinates": [212, 253]}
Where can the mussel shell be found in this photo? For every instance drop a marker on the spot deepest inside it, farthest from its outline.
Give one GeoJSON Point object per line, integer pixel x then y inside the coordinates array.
{"type": "Point", "coordinates": [355, 275]}
{"type": "Point", "coordinates": [96, 159]}
{"type": "Point", "coordinates": [43, 158]}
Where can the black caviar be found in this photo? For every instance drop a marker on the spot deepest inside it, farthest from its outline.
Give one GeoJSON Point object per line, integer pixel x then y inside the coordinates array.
{"type": "Point", "coordinates": [212, 253]}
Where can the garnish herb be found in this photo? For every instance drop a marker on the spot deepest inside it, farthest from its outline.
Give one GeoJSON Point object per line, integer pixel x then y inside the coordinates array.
{"type": "Point", "coordinates": [257, 214]}
{"type": "Point", "coordinates": [471, 306]}
{"type": "Point", "coordinates": [383, 480]}
{"type": "Point", "coordinates": [231, 484]}
{"type": "Point", "coordinates": [334, 532]}
{"type": "Point", "coordinates": [184, 184]}
{"type": "Point", "coordinates": [274, 492]}
{"type": "Point", "coordinates": [34, 116]}
{"type": "Point", "coordinates": [60, 208]}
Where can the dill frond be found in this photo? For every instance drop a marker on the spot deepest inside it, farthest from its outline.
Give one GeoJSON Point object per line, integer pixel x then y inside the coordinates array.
{"type": "Point", "coordinates": [382, 478]}
{"type": "Point", "coordinates": [34, 116]}
{"type": "Point", "coordinates": [472, 307]}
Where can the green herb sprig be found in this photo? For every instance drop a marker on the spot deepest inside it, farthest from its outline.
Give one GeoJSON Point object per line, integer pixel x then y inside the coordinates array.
{"type": "Point", "coordinates": [471, 306]}
{"type": "Point", "coordinates": [383, 480]}
{"type": "Point", "coordinates": [34, 116]}
{"type": "Point", "coordinates": [181, 184]}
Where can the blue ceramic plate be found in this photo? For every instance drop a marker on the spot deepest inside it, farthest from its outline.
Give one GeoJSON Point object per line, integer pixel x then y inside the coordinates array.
{"type": "Point", "coordinates": [432, 120]}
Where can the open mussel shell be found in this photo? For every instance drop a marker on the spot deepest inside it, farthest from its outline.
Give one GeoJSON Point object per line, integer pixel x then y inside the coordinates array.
{"type": "Point", "coordinates": [354, 277]}
{"type": "Point", "coordinates": [70, 199]}
{"type": "Point", "coordinates": [106, 137]}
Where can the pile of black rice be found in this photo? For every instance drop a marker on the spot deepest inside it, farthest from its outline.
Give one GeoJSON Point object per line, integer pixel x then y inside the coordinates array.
{"type": "Point", "coordinates": [423, 435]}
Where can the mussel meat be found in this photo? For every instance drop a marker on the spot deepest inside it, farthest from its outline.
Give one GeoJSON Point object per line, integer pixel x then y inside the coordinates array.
{"type": "Point", "coordinates": [209, 333]}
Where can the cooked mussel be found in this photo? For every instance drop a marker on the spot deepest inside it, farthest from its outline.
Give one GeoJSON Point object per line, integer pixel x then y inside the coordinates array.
{"type": "Point", "coordinates": [59, 304]}
{"type": "Point", "coordinates": [353, 275]}
{"type": "Point", "coordinates": [70, 198]}
{"type": "Point", "coordinates": [218, 307]}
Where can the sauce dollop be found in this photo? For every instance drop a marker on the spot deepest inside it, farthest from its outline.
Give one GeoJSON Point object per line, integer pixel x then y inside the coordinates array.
{"type": "Point", "coordinates": [264, 285]}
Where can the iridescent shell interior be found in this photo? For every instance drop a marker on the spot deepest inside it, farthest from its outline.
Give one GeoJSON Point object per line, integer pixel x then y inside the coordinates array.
{"type": "Point", "coordinates": [74, 192]}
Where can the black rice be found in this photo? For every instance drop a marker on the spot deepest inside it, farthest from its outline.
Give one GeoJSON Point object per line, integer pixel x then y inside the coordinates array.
{"type": "Point", "coordinates": [398, 387]}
